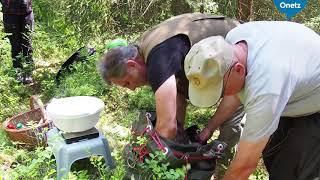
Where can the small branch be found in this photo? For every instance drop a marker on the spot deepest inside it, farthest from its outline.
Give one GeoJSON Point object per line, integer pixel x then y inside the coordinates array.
{"type": "Point", "coordinates": [148, 7]}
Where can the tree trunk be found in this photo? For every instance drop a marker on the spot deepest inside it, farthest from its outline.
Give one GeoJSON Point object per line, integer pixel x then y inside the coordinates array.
{"type": "Point", "coordinates": [245, 10]}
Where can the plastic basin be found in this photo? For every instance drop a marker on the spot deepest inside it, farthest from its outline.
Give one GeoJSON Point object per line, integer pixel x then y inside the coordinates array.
{"type": "Point", "coordinates": [76, 113]}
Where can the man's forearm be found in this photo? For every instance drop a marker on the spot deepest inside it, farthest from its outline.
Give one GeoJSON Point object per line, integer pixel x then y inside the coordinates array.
{"type": "Point", "coordinates": [246, 159]}
{"type": "Point", "coordinates": [182, 136]}
{"type": "Point", "coordinates": [181, 109]}
{"type": "Point", "coordinates": [226, 109]}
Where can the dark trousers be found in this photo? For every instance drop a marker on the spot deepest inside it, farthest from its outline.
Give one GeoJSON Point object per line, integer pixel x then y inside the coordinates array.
{"type": "Point", "coordinates": [20, 28]}
{"type": "Point", "coordinates": [293, 151]}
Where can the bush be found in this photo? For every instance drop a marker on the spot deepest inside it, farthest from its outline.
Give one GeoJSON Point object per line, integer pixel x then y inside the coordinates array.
{"type": "Point", "coordinates": [83, 80]}
{"type": "Point", "coordinates": [142, 99]}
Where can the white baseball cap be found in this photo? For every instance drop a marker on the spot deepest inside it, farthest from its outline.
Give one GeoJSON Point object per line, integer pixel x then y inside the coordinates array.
{"type": "Point", "coordinates": [205, 65]}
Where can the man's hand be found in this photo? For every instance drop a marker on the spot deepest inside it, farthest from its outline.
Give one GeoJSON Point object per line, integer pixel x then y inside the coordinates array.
{"type": "Point", "coordinates": [226, 109]}
{"type": "Point", "coordinates": [246, 159]}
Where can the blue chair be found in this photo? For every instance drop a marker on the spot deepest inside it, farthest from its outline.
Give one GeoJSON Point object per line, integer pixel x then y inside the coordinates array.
{"type": "Point", "coordinates": [67, 154]}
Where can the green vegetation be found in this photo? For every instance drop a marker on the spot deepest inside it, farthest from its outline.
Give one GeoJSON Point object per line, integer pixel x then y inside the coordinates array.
{"type": "Point", "coordinates": [62, 27]}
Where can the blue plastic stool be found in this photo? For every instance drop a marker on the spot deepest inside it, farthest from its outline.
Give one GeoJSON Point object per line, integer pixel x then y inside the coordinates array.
{"type": "Point", "coordinates": [67, 154]}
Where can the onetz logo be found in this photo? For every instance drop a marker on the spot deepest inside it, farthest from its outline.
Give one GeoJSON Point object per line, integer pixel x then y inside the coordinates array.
{"type": "Point", "coordinates": [284, 5]}
{"type": "Point", "coordinates": [290, 7]}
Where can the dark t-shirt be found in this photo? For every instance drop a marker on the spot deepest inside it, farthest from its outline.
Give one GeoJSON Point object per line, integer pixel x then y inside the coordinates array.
{"type": "Point", "coordinates": [167, 59]}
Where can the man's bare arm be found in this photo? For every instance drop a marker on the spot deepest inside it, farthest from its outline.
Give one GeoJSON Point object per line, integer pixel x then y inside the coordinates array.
{"type": "Point", "coordinates": [181, 108]}
{"type": "Point", "coordinates": [225, 110]}
{"type": "Point", "coordinates": [246, 159]}
{"type": "Point", "coordinates": [166, 106]}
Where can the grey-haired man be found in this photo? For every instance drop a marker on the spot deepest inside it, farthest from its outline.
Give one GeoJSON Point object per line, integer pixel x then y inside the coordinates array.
{"type": "Point", "coordinates": [157, 60]}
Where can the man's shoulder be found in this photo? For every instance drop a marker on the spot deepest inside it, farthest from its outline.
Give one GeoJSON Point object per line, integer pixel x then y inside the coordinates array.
{"type": "Point", "coordinates": [171, 45]}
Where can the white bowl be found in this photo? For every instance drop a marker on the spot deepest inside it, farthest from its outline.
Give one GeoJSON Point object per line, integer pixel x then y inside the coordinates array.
{"type": "Point", "coordinates": [76, 113]}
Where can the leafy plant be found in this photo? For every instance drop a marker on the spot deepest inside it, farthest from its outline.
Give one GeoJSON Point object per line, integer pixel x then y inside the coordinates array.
{"type": "Point", "coordinates": [98, 162]}
{"type": "Point", "coordinates": [162, 170]}
{"type": "Point", "coordinates": [33, 165]}
{"type": "Point", "coordinates": [142, 99]}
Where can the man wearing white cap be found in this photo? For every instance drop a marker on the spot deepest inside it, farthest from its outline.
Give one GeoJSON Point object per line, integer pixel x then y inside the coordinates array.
{"type": "Point", "coordinates": [273, 69]}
